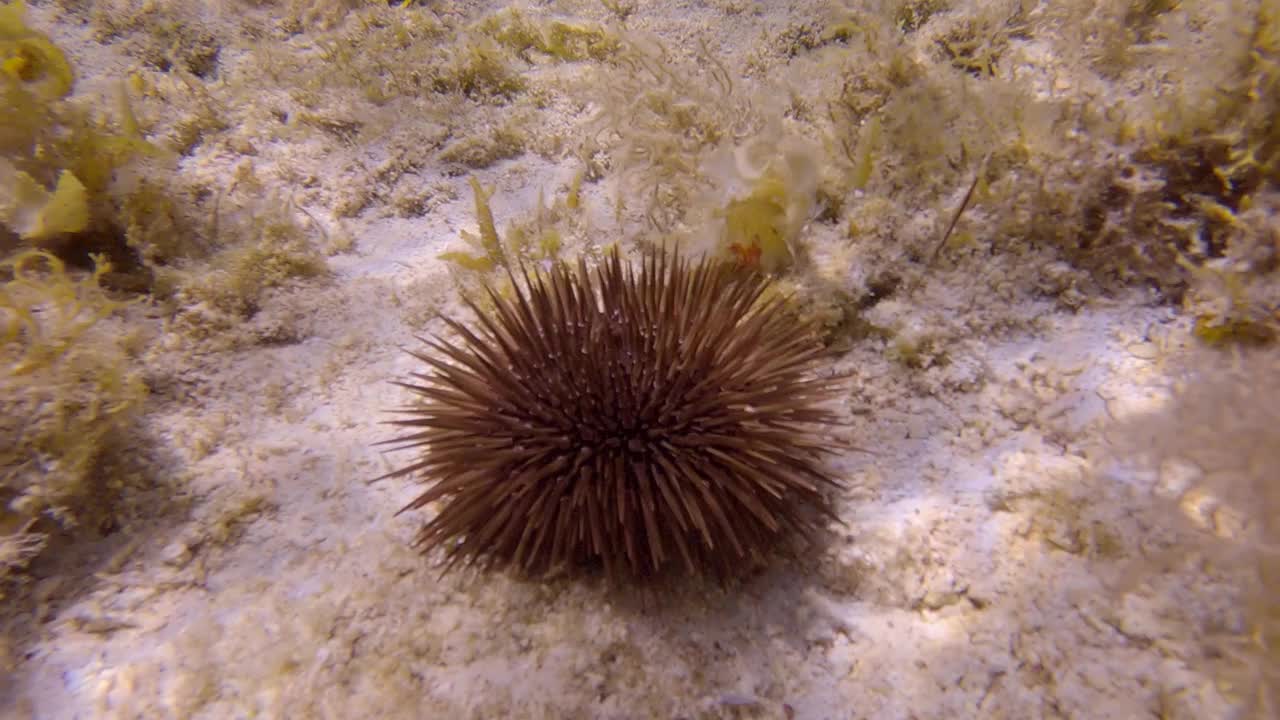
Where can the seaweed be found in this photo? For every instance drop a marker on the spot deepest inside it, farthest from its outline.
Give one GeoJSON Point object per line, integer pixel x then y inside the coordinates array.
{"type": "Point", "coordinates": [488, 242]}
{"type": "Point", "coordinates": [479, 71]}
{"type": "Point", "coordinates": [36, 214]}
{"type": "Point", "coordinates": [560, 40]}
{"type": "Point", "coordinates": [486, 145]}
{"type": "Point", "coordinates": [911, 15]}
{"type": "Point", "coordinates": [162, 36]}
{"type": "Point", "coordinates": [61, 168]}
{"type": "Point", "coordinates": [29, 58]}
{"type": "Point", "coordinates": [756, 229]}
{"type": "Point", "coordinates": [68, 387]}
{"type": "Point", "coordinates": [661, 120]}
{"type": "Point", "coordinates": [518, 246]}
{"type": "Point", "coordinates": [275, 251]}
{"type": "Point", "coordinates": [1211, 451]}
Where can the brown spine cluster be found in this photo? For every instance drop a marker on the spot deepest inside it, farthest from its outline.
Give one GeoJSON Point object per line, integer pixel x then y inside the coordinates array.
{"type": "Point", "coordinates": [647, 420]}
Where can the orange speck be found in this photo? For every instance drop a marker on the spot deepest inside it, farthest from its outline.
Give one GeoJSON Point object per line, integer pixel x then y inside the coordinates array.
{"type": "Point", "coordinates": [747, 256]}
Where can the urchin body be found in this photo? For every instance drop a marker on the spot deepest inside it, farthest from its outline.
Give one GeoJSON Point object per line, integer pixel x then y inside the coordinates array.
{"type": "Point", "coordinates": [652, 419]}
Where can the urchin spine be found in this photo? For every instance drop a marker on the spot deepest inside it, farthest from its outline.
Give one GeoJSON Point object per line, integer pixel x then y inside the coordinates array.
{"type": "Point", "coordinates": [631, 418]}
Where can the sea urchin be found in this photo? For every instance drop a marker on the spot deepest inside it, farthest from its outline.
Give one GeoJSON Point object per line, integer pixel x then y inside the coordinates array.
{"type": "Point", "coordinates": [647, 420]}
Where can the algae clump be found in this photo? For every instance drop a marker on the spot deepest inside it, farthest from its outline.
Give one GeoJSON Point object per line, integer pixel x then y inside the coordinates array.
{"type": "Point", "coordinates": [67, 388]}
{"type": "Point", "coordinates": [29, 57]}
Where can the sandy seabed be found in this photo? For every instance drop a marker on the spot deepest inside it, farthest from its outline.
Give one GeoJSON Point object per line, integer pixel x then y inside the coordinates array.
{"type": "Point", "coordinates": [985, 567]}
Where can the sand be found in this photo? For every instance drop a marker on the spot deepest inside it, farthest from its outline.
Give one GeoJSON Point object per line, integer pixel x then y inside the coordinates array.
{"type": "Point", "coordinates": [987, 528]}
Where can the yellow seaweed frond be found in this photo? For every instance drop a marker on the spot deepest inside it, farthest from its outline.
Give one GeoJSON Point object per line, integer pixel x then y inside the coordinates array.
{"type": "Point", "coordinates": [44, 311]}
{"type": "Point", "coordinates": [488, 241]}
{"type": "Point", "coordinates": [36, 214]}
{"type": "Point", "coordinates": [29, 58]}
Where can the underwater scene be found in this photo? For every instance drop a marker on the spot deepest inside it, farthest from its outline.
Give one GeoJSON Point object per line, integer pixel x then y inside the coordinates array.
{"type": "Point", "coordinates": [679, 359]}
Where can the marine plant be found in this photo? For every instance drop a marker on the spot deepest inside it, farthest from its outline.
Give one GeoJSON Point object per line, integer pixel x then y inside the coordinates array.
{"type": "Point", "coordinates": [67, 387]}
{"type": "Point", "coordinates": [518, 244]}
{"type": "Point", "coordinates": [1211, 450]}
{"type": "Point", "coordinates": [660, 119]}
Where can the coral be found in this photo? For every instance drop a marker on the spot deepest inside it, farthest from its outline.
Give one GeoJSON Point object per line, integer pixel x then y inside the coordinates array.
{"type": "Point", "coordinates": [648, 420]}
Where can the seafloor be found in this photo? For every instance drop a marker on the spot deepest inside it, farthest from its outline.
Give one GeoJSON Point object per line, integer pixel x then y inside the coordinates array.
{"type": "Point", "coordinates": [1004, 210]}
